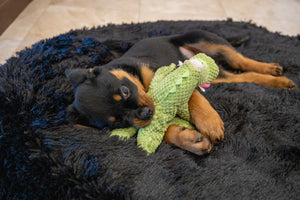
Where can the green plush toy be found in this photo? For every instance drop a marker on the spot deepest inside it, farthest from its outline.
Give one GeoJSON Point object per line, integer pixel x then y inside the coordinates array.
{"type": "Point", "coordinates": [170, 90]}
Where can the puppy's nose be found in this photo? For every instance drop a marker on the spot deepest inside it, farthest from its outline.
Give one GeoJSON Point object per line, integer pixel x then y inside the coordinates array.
{"type": "Point", "coordinates": [146, 113]}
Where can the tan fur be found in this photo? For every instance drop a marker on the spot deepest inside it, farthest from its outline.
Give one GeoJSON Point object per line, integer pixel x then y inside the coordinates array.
{"type": "Point", "coordinates": [147, 75]}
{"type": "Point", "coordinates": [117, 97]}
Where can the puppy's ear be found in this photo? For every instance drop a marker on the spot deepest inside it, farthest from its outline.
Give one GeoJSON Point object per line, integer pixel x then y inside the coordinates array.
{"type": "Point", "coordinates": [76, 76]}
{"type": "Point", "coordinates": [93, 72]}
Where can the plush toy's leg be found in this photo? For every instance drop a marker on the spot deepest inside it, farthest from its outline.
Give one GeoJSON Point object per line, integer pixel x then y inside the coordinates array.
{"type": "Point", "coordinates": [252, 77]}
{"type": "Point", "coordinates": [187, 139]}
{"type": "Point", "coordinates": [206, 119]}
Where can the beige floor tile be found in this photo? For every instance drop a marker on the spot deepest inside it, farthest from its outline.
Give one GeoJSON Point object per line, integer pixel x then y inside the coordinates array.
{"type": "Point", "coordinates": [268, 9]}
{"type": "Point", "coordinates": [99, 4]}
{"type": "Point", "coordinates": [7, 49]}
{"type": "Point", "coordinates": [24, 22]}
{"type": "Point", "coordinates": [60, 18]}
{"type": "Point", "coordinates": [115, 11]}
{"type": "Point", "coordinates": [181, 10]}
{"type": "Point", "coordinates": [284, 27]}
{"type": "Point", "coordinates": [276, 15]}
{"type": "Point", "coordinates": [11, 39]}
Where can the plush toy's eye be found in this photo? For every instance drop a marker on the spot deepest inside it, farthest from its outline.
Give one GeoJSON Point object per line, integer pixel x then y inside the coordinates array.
{"type": "Point", "coordinates": [125, 92]}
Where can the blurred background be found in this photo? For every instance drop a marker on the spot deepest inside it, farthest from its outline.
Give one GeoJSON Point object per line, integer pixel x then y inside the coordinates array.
{"type": "Point", "coordinates": [25, 22]}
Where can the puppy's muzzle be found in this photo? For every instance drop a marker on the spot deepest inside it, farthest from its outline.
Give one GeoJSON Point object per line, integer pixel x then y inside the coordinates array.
{"type": "Point", "coordinates": [146, 113]}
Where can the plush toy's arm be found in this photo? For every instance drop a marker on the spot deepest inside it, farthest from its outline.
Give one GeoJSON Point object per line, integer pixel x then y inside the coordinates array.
{"type": "Point", "coordinates": [124, 133]}
{"type": "Point", "coordinates": [181, 122]}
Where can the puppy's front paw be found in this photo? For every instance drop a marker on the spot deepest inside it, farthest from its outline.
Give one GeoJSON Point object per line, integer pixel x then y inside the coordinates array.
{"type": "Point", "coordinates": [194, 142]}
{"type": "Point", "coordinates": [206, 119]}
{"type": "Point", "coordinates": [212, 127]}
{"type": "Point", "coordinates": [190, 140]}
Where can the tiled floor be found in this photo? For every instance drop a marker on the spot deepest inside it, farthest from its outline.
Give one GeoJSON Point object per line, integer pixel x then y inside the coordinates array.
{"type": "Point", "coordinates": [47, 18]}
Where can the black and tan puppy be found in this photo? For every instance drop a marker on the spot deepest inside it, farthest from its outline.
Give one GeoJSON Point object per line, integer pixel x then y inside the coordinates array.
{"type": "Point", "coordinates": [115, 95]}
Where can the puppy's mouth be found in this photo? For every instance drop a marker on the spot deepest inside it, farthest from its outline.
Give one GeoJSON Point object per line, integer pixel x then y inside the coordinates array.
{"type": "Point", "coordinates": [145, 112]}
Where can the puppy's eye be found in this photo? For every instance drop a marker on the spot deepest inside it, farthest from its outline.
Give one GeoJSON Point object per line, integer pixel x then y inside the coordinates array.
{"type": "Point", "coordinates": [125, 92]}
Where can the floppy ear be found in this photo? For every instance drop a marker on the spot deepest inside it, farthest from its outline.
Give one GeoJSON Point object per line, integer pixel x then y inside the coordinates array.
{"type": "Point", "coordinates": [76, 76]}
{"type": "Point", "coordinates": [93, 73]}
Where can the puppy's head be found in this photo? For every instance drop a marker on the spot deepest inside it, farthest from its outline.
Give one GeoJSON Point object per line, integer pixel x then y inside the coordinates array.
{"type": "Point", "coordinates": [108, 98]}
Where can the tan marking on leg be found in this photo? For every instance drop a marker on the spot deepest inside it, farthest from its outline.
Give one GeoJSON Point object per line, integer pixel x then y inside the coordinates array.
{"type": "Point", "coordinates": [84, 127]}
{"type": "Point", "coordinates": [261, 79]}
{"type": "Point", "coordinates": [235, 59]}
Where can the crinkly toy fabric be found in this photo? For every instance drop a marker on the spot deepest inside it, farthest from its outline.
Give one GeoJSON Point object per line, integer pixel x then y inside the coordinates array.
{"type": "Point", "coordinates": [170, 90]}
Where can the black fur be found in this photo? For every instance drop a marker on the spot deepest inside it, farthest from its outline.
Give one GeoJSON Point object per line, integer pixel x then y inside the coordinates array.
{"type": "Point", "coordinates": [44, 157]}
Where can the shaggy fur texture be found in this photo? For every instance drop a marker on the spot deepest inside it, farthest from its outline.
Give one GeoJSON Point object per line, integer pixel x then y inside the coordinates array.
{"type": "Point", "coordinates": [44, 157]}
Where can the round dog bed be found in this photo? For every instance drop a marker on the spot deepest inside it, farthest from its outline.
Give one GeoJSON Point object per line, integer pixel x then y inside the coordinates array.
{"type": "Point", "coordinates": [44, 157]}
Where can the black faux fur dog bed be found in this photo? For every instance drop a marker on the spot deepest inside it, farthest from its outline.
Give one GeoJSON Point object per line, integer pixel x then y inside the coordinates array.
{"type": "Point", "coordinates": [44, 157]}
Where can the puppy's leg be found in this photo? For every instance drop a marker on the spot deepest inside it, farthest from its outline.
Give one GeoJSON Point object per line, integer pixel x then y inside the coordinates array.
{"type": "Point", "coordinates": [187, 139]}
{"type": "Point", "coordinates": [262, 73]}
{"type": "Point", "coordinates": [252, 77]}
{"type": "Point", "coordinates": [238, 61]}
{"type": "Point", "coordinates": [235, 59]}
{"type": "Point", "coordinates": [206, 119]}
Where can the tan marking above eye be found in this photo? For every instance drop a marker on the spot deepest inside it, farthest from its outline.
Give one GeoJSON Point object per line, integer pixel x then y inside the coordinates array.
{"type": "Point", "coordinates": [144, 98]}
{"type": "Point", "coordinates": [112, 119]}
{"type": "Point", "coordinates": [117, 97]}
{"type": "Point", "coordinates": [120, 74]}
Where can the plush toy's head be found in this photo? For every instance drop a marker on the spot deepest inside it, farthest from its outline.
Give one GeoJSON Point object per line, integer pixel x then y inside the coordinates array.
{"type": "Point", "coordinates": [170, 91]}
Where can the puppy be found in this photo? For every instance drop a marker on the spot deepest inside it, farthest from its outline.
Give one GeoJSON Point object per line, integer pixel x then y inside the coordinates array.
{"type": "Point", "coordinates": [115, 95]}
